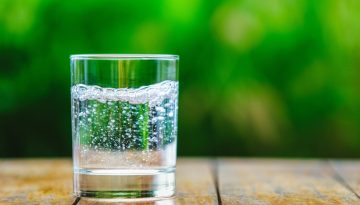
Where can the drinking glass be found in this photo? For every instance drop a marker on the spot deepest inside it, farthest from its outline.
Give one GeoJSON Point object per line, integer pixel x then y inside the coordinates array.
{"type": "Point", "coordinates": [124, 124]}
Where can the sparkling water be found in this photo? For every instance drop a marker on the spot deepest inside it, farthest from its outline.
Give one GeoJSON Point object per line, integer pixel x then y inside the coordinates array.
{"type": "Point", "coordinates": [124, 140]}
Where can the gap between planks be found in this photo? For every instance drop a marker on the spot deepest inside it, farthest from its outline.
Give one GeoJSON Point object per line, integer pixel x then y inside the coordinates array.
{"type": "Point", "coordinates": [215, 176]}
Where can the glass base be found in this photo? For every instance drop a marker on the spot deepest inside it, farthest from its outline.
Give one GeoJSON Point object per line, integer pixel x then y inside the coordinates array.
{"type": "Point", "coordinates": [126, 184]}
{"type": "Point", "coordinates": [126, 194]}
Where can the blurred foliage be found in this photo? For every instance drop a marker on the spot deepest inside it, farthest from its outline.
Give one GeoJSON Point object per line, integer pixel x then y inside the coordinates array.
{"type": "Point", "coordinates": [257, 78]}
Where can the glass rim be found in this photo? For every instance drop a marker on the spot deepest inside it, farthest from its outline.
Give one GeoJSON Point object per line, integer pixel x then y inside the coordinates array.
{"type": "Point", "coordinates": [124, 57]}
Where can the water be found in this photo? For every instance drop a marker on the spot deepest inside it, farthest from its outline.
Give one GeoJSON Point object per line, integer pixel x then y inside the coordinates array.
{"type": "Point", "coordinates": [124, 140]}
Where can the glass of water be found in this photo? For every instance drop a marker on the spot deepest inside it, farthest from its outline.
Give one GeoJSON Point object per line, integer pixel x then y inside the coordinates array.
{"type": "Point", "coordinates": [124, 125]}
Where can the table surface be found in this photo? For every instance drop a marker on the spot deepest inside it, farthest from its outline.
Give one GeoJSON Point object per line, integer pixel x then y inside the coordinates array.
{"type": "Point", "coordinates": [200, 181]}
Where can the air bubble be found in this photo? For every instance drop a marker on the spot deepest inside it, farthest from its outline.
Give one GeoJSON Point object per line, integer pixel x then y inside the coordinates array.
{"type": "Point", "coordinates": [160, 109]}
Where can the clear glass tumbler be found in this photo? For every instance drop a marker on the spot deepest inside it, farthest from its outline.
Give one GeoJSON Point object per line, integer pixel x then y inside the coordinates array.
{"type": "Point", "coordinates": [124, 125]}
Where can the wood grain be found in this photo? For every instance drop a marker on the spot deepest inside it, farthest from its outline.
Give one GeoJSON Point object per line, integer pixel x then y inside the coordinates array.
{"type": "Point", "coordinates": [280, 182]}
{"type": "Point", "coordinates": [50, 182]}
{"type": "Point", "coordinates": [35, 182]}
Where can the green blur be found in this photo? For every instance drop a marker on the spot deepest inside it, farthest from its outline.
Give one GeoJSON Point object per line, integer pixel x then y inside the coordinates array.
{"type": "Point", "coordinates": [257, 78]}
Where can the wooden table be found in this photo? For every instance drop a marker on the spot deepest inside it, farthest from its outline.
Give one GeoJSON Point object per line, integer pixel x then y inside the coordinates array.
{"type": "Point", "coordinates": [200, 181]}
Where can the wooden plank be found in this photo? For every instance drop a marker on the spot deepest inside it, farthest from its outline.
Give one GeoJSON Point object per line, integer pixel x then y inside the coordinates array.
{"type": "Point", "coordinates": [256, 181]}
{"type": "Point", "coordinates": [35, 182]}
{"type": "Point", "coordinates": [348, 173]}
{"type": "Point", "coordinates": [50, 182]}
{"type": "Point", "coordinates": [195, 182]}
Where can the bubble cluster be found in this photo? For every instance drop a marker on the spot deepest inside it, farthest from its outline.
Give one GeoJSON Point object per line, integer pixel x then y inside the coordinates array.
{"type": "Point", "coordinates": [136, 123]}
{"type": "Point", "coordinates": [153, 94]}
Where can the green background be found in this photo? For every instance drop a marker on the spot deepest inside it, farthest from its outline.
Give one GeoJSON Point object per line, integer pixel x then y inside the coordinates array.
{"type": "Point", "coordinates": [257, 78]}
